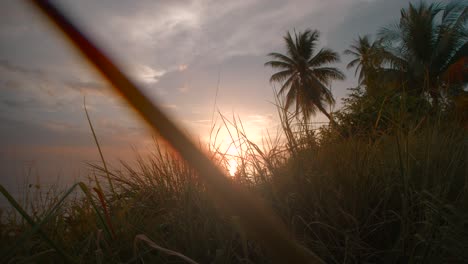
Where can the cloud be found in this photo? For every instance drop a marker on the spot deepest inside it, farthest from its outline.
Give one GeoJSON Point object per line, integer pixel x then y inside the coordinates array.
{"type": "Point", "coordinates": [87, 87]}
{"type": "Point", "coordinates": [184, 89]}
{"type": "Point", "coordinates": [175, 50]}
{"type": "Point", "coordinates": [40, 110]}
{"type": "Point", "coordinates": [20, 103]}
{"type": "Point", "coordinates": [7, 66]}
{"type": "Point", "coordinates": [147, 74]}
{"type": "Point", "coordinates": [30, 88]}
{"type": "Point", "coordinates": [260, 119]}
{"type": "Point", "coordinates": [182, 67]}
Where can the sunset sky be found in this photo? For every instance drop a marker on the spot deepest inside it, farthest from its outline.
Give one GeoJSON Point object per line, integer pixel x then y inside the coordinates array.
{"type": "Point", "coordinates": [175, 50]}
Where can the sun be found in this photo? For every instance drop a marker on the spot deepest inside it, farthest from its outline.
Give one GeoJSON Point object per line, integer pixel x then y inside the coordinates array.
{"type": "Point", "coordinates": [232, 166]}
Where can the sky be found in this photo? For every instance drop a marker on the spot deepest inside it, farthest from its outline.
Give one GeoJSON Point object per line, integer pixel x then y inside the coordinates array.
{"type": "Point", "coordinates": [182, 54]}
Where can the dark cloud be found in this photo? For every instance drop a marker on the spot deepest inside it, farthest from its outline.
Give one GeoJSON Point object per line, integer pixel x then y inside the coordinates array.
{"type": "Point", "coordinates": [20, 103]}
{"type": "Point", "coordinates": [15, 133]}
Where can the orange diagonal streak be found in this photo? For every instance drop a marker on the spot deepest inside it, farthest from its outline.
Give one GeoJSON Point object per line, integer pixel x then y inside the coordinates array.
{"type": "Point", "coordinates": [258, 220]}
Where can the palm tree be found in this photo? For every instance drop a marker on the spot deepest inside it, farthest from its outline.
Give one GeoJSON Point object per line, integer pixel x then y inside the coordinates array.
{"type": "Point", "coordinates": [368, 59]}
{"type": "Point", "coordinates": [425, 43]}
{"type": "Point", "coordinates": [304, 74]}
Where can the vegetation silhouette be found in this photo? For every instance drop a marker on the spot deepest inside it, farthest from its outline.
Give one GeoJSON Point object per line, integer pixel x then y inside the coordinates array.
{"type": "Point", "coordinates": [386, 184]}
{"type": "Point", "coordinates": [415, 55]}
{"type": "Point", "coordinates": [304, 74]}
{"type": "Point", "coordinates": [368, 58]}
{"type": "Point", "coordinates": [424, 44]}
{"type": "Point", "coordinates": [418, 63]}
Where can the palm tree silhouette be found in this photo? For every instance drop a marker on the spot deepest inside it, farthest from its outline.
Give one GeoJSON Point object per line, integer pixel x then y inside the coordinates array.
{"type": "Point", "coordinates": [367, 59]}
{"type": "Point", "coordinates": [424, 44]}
{"type": "Point", "coordinates": [303, 75]}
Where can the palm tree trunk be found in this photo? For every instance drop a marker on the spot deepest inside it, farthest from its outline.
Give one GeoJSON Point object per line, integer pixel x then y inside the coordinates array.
{"type": "Point", "coordinates": [332, 121]}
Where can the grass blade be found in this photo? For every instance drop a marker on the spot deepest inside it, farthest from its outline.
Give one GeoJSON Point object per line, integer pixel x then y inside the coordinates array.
{"type": "Point", "coordinates": [100, 151]}
{"type": "Point", "coordinates": [150, 243]}
{"type": "Point", "coordinates": [30, 221]}
{"type": "Point", "coordinates": [49, 215]}
{"type": "Point", "coordinates": [258, 220]}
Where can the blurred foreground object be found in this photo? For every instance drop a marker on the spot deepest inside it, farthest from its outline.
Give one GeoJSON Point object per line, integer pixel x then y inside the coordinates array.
{"type": "Point", "coordinates": [257, 220]}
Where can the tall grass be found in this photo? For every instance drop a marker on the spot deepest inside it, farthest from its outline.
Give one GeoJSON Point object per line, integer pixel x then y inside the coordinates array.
{"type": "Point", "coordinates": [398, 198]}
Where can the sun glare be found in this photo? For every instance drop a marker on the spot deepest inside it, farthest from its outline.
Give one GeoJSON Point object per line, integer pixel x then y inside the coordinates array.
{"type": "Point", "coordinates": [232, 167]}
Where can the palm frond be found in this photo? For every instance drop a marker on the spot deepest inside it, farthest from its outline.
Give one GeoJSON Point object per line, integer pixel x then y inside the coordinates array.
{"type": "Point", "coordinates": [307, 43]}
{"type": "Point", "coordinates": [324, 56]}
{"type": "Point", "coordinates": [453, 12]}
{"type": "Point", "coordinates": [281, 76]}
{"type": "Point", "coordinates": [326, 74]}
{"type": "Point", "coordinates": [459, 54]}
{"type": "Point", "coordinates": [291, 47]}
{"type": "Point", "coordinates": [281, 57]}
{"type": "Point", "coordinates": [351, 52]}
{"type": "Point", "coordinates": [353, 63]}
{"type": "Point", "coordinates": [390, 33]}
{"type": "Point", "coordinates": [278, 64]}
{"type": "Point", "coordinates": [288, 83]}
